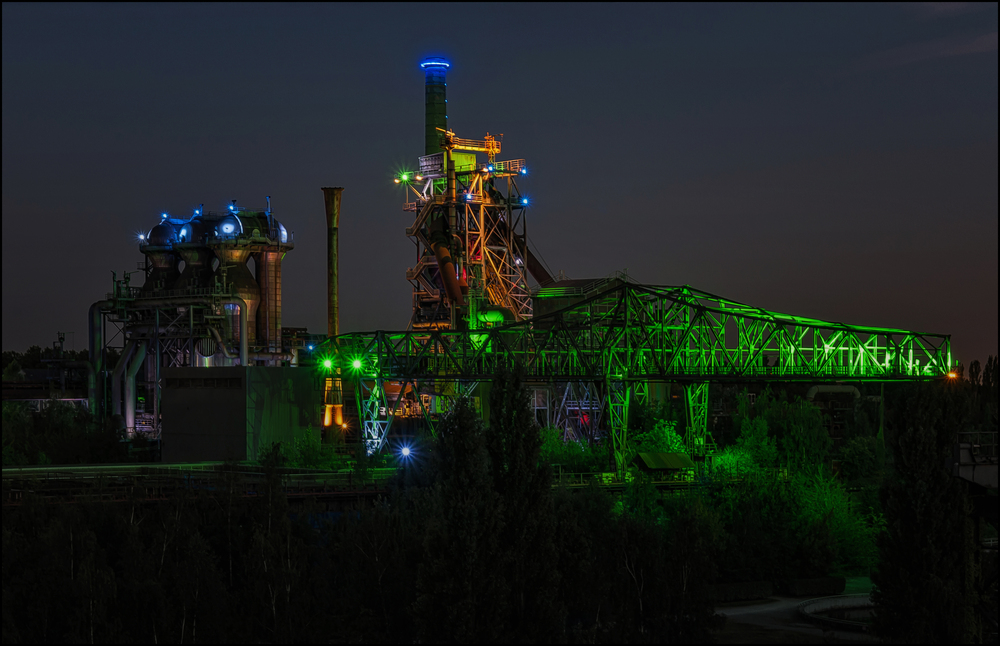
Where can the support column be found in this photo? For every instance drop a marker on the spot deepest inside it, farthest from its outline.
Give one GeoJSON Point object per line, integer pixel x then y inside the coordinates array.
{"type": "Point", "coordinates": [619, 393]}
{"type": "Point", "coordinates": [696, 395]}
{"type": "Point", "coordinates": [374, 426]}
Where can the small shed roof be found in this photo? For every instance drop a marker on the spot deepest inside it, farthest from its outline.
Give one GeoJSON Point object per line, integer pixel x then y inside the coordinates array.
{"type": "Point", "coordinates": [662, 461]}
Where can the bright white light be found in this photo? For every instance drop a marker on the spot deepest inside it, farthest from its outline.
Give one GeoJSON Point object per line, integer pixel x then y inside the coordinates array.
{"type": "Point", "coordinates": [524, 200]}
{"type": "Point", "coordinates": [142, 237]}
{"type": "Point", "coordinates": [196, 212]}
{"type": "Point", "coordinates": [310, 347]}
{"type": "Point", "coordinates": [406, 451]}
{"type": "Point", "coordinates": [163, 215]}
{"type": "Point", "coordinates": [524, 171]}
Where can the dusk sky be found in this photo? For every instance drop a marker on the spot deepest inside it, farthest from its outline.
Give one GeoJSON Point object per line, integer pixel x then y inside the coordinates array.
{"type": "Point", "coordinates": [831, 161]}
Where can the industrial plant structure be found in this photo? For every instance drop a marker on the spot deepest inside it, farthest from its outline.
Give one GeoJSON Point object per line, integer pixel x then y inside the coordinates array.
{"type": "Point", "coordinates": [200, 306]}
{"type": "Point", "coordinates": [204, 328]}
{"type": "Point", "coordinates": [589, 348]}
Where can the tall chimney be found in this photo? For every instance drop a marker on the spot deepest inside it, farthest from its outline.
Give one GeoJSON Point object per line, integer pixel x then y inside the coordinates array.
{"type": "Point", "coordinates": [332, 198]}
{"type": "Point", "coordinates": [435, 103]}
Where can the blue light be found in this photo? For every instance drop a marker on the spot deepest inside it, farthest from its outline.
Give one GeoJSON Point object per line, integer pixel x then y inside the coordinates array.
{"type": "Point", "coordinates": [434, 62]}
{"type": "Point", "coordinates": [524, 201]}
{"type": "Point", "coordinates": [310, 347]}
{"type": "Point", "coordinates": [197, 211]}
{"type": "Point", "coordinates": [524, 171]}
{"type": "Point", "coordinates": [405, 452]}
{"type": "Point", "coordinates": [232, 208]}
{"type": "Point", "coordinates": [490, 168]}
{"type": "Point", "coordinates": [163, 215]}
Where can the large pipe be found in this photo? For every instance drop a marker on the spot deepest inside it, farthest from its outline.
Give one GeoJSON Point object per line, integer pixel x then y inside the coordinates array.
{"type": "Point", "coordinates": [439, 229]}
{"type": "Point", "coordinates": [133, 369]}
{"type": "Point", "coordinates": [435, 103]}
{"type": "Point", "coordinates": [333, 400]}
{"type": "Point", "coordinates": [95, 388]}
{"type": "Point", "coordinates": [116, 378]}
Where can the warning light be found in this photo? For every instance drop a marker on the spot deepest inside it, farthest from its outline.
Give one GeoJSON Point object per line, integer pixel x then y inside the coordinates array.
{"type": "Point", "coordinates": [952, 375]}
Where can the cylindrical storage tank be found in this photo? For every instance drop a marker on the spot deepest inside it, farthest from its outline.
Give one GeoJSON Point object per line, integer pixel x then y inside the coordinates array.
{"type": "Point", "coordinates": [236, 278]}
{"type": "Point", "coordinates": [269, 282]}
{"type": "Point", "coordinates": [197, 273]}
{"type": "Point", "coordinates": [435, 102]}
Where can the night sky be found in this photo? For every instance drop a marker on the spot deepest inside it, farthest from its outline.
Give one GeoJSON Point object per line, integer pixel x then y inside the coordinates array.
{"type": "Point", "coordinates": [831, 161]}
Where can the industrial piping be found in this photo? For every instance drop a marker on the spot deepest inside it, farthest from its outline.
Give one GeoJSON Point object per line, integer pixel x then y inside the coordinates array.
{"type": "Point", "coordinates": [116, 377]}
{"type": "Point", "coordinates": [95, 386]}
{"type": "Point", "coordinates": [229, 300]}
{"type": "Point", "coordinates": [133, 369]}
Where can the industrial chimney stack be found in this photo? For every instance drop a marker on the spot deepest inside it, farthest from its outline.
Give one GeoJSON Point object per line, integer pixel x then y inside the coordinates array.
{"type": "Point", "coordinates": [332, 198]}
{"type": "Point", "coordinates": [435, 102]}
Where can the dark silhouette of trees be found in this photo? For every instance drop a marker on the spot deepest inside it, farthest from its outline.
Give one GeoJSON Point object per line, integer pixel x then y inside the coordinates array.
{"type": "Point", "coordinates": [926, 578]}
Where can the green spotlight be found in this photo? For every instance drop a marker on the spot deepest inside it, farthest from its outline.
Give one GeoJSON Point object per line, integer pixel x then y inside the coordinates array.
{"type": "Point", "coordinates": [356, 363]}
{"type": "Point", "coordinates": [405, 177]}
{"type": "Point", "coordinates": [327, 363]}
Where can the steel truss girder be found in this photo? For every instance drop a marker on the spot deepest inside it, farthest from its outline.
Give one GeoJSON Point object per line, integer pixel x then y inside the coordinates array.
{"type": "Point", "coordinates": [629, 334]}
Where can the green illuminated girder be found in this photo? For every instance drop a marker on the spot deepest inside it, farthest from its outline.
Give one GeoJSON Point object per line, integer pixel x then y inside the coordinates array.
{"type": "Point", "coordinates": [696, 397]}
{"type": "Point", "coordinates": [632, 334]}
{"type": "Point", "coordinates": [373, 411]}
{"type": "Point", "coordinates": [619, 394]}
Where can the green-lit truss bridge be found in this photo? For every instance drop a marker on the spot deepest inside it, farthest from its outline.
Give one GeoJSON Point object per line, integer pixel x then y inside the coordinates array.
{"type": "Point", "coordinates": [608, 345]}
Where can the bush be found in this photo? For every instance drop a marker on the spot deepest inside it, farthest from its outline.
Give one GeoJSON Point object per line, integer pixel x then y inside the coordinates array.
{"type": "Point", "coordinates": [573, 456]}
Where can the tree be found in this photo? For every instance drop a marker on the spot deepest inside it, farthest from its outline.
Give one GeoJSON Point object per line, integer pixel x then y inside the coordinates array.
{"type": "Point", "coordinates": [925, 587]}
{"type": "Point", "coordinates": [461, 591]}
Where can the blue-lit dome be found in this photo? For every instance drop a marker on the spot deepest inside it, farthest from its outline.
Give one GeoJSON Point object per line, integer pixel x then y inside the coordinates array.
{"type": "Point", "coordinates": [162, 235]}
{"type": "Point", "coordinates": [229, 226]}
{"type": "Point", "coordinates": [192, 232]}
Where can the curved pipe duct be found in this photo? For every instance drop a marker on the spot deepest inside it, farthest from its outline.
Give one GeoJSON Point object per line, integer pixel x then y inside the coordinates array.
{"type": "Point", "coordinates": [133, 369]}
{"type": "Point", "coordinates": [439, 244]}
{"type": "Point", "coordinates": [116, 378]}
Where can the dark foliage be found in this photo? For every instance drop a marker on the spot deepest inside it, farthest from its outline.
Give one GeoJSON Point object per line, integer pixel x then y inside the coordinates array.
{"type": "Point", "coordinates": [60, 434]}
{"type": "Point", "coordinates": [926, 582]}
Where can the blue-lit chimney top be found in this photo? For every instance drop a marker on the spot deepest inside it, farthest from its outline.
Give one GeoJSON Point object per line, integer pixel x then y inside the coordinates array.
{"type": "Point", "coordinates": [434, 62]}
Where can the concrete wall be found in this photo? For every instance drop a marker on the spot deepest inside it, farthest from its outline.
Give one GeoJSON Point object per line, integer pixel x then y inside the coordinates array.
{"type": "Point", "coordinates": [281, 405]}
{"type": "Point", "coordinates": [212, 414]}
{"type": "Point", "coordinates": [204, 414]}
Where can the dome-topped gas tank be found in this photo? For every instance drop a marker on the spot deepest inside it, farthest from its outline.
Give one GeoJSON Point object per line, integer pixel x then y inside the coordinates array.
{"type": "Point", "coordinates": [196, 256]}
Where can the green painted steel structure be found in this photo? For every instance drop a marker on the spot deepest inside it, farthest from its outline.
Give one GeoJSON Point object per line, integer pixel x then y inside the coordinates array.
{"type": "Point", "coordinates": [617, 337]}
